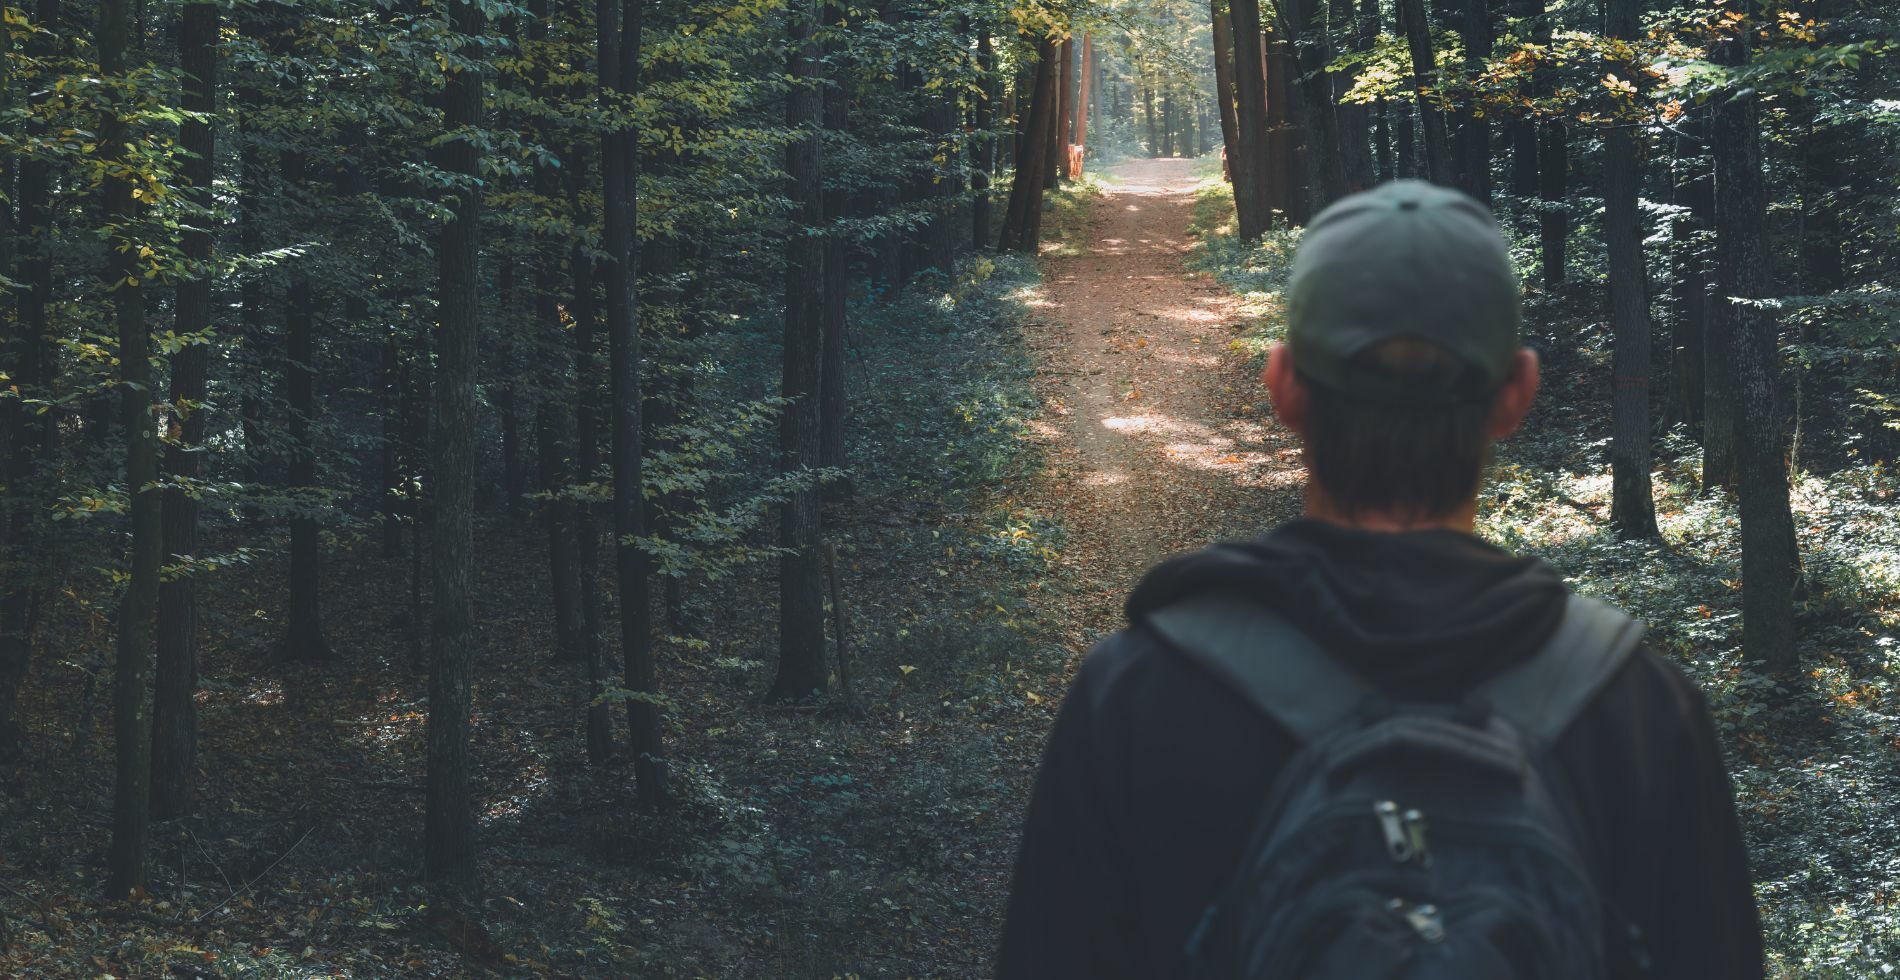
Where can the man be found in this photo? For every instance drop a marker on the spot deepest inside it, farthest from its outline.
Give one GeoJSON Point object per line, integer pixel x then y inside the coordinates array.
{"type": "Point", "coordinates": [1403, 363]}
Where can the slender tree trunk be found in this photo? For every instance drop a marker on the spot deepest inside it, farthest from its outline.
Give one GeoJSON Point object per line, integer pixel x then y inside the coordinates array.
{"type": "Point", "coordinates": [174, 709]}
{"type": "Point", "coordinates": [1081, 137]}
{"type": "Point", "coordinates": [1524, 180]}
{"type": "Point", "coordinates": [1473, 137]}
{"type": "Point", "coordinates": [837, 259]}
{"type": "Point", "coordinates": [1065, 104]}
{"type": "Point", "coordinates": [303, 636]}
{"type": "Point", "coordinates": [1253, 168]}
{"type": "Point", "coordinates": [1553, 171]}
{"type": "Point", "coordinates": [1023, 217]}
{"type": "Point", "coordinates": [1632, 504]}
{"type": "Point", "coordinates": [1304, 24]}
{"type": "Point", "coordinates": [1689, 248]}
{"type": "Point", "coordinates": [599, 718]}
{"type": "Point", "coordinates": [449, 831]}
{"type": "Point", "coordinates": [985, 124]}
{"type": "Point", "coordinates": [1404, 139]}
{"type": "Point", "coordinates": [1771, 560]}
{"type": "Point", "coordinates": [138, 611]}
{"type": "Point", "coordinates": [1355, 118]}
{"type": "Point", "coordinates": [1224, 89]}
{"type": "Point", "coordinates": [25, 439]}
{"type": "Point", "coordinates": [801, 666]}
{"type": "Point", "coordinates": [619, 25]}
{"type": "Point", "coordinates": [1418, 39]}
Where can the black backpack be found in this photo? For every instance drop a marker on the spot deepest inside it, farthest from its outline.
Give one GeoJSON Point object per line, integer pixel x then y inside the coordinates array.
{"type": "Point", "coordinates": [1407, 840]}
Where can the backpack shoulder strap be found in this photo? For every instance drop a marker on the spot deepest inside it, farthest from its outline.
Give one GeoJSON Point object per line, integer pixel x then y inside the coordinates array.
{"type": "Point", "coordinates": [1545, 693]}
{"type": "Point", "coordinates": [1271, 662]}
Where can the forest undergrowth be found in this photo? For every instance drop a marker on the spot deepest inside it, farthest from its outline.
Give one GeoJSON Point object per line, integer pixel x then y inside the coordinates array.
{"type": "Point", "coordinates": [1815, 759]}
{"type": "Point", "coordinates": [869, 835]}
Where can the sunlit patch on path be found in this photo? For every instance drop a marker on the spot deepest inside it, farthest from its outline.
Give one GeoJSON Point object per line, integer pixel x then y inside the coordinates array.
{"type": "Point", "coordinates": [1155, 442]}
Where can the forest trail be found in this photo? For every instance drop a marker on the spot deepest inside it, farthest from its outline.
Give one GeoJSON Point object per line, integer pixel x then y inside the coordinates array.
{"type": "Point", "coordinates": [1153, 445]}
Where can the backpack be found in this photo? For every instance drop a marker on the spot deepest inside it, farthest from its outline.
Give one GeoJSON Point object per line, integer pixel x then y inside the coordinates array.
{"type": "Point", "coordinates": [1407, 841]}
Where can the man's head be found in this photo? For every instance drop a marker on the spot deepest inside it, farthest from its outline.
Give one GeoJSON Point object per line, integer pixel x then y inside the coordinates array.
{"type": "Point", "coordinates": [1403, 360]}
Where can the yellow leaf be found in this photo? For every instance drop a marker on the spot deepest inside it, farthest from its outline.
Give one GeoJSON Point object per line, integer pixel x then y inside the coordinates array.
{"type": "Point", "coordinates": [1033, 697]}
{"type": "Point", "coordinates": [905, 669]}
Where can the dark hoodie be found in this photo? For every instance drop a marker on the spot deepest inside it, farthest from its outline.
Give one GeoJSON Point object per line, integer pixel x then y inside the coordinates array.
{"type": "Point", "coordinates": [1155, 770]}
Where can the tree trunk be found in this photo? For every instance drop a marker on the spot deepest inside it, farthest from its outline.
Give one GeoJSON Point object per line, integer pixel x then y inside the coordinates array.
{"type": "Point", "coordinates": [620, 77]}
{"type": "Point", "coordinates": [837, 261]}
{"type": "Point", "coordinates": [1065, 104]}
{"type": "Point", "coordinates": [1553, 171]}
{"type": "Point", "coordinates": [1689, 248]}
{"type": "Point", "coordinates": [1355, 118]}
{"type": "Point", "coordinates": [598, 727]}
{"type": "Point", "coordinates": [174, 709]}
{"type": "Point", "coordinates": [1632, 504]}
{"type": "Point", "coordinates": [1224, 91]}
{"type": "Point", "coordinates": [1022, 218]}
{"type": "Point", "coordinates": [1306, 29]}
{"type": "Point", "coordinates": [1081, 137]}
{"type": "Point", "coordinates": [26, 440]}
{"type": "Point", "coordinates": [131, 718]}
{"type": "Point", "coordinates": [1524, 182]}
{"type": "Point", "coordinates": [801, 667]}
{"type": "Point", "coordinates": [1404, 139]}
{"type": "Point", "coordinates": [449, 826]}
{"type": "Point", "coordinates": [303, 635]}
{"type": "Point", "coordinates": [1474, 128]}
{"type": "Point", "coordinates": [985, 124]}
{"type": "Point", "coordinates": [1771, 560]}
{"type": "Point", "coordinates": [1254, 166]}
{"type": "Point", "coordinates": [1418, 39]}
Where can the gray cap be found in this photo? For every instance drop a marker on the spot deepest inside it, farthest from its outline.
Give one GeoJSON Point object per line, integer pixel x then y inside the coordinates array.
{"type": "Point", "coordinates": [1405, 259]}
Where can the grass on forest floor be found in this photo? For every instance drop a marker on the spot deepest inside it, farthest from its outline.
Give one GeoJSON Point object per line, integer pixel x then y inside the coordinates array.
{"type": "Point", "coordinates": [807, 841]}
{"type": "Point", "coordinates": [1816, 762]}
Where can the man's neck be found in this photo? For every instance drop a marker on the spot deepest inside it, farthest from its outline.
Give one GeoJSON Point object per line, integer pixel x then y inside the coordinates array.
{"type": "Point", "coordinates": [1320, 507]}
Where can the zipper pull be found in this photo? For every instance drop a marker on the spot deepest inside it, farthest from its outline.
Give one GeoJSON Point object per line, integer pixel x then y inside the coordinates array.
{"type": "Point", "coordinates": [1415, 835]}
{"type": "Point", "coordinates": [1426, 921]}
{"type": "Point", "coordinates": [1398, 843]}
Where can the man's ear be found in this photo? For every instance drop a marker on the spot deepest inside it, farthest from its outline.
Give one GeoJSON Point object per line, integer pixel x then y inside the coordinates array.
{"type": "Point", "coordinates": [1514, 398]}
{"type": "Point", "coordinates": [1286, 389]}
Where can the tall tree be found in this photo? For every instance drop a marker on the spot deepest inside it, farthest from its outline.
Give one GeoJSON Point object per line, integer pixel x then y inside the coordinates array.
{"type": "Point", "coordinates": [1473, 138]}
{"type": "Point", "coordinates": [984, 121]}
{"type": "Point", "coordinates": [1770, 558]}
{"type": "Point", "coordinates": [1304, 23]}
{"type": "Point", "coordinates": [1253, 167]}
{"type": "Point", "coordinates": [174, 710]}
{"type": "Point", "coordinates": [836, 286]}
{"type": "Point", "coordinates": [619, 55]}
{"type": "Point", "coordinates": [138, 611]}
{"type": "Point", "coordinates": [1632, 505]}
{"type": "Point", "coordinates": [1022, 218]}
{"type": "Point", "coordinates": [1223, 31]}
{"type": "Point", "coordinates": [1417, 28]}
{"type": "Point", "coordinates": [449, 825]}
{"type": "Point", "coordinates": [801, 664]}
{"type": "Point", "coordinates": [1084, 92]}
{"type": "Point", "coordinates": [303, 634]}
{"type": "Point", "coordinates": [1553, 175]}
{"type": "Point", "coordinates": [1355, 118]}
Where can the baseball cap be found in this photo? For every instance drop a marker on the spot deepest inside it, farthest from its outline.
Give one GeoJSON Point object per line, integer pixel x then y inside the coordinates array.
{"type": "Point", "coordinates": [1404, 259]}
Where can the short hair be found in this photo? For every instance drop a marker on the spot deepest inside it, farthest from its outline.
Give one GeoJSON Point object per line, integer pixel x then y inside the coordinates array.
{"type": "Point", "coordinates": [1410, 460]}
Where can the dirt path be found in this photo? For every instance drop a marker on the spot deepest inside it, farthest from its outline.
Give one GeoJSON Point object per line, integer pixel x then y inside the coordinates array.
{"type": "Point", "coordinates": [1153, 447]}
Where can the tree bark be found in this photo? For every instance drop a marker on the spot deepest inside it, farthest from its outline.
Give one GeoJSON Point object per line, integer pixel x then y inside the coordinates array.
{"type": "Point", "coordinates": [303, 635]}
{"type": "Point", "coordinates": [619, 25]}
{"type": "Point", "coordinates": [1473, 140]}
{"type": "Point", "coordinates": [985, 125]}
{"type": "Point", "coordinates": [837, 259]}
{"type": "Point", "coordinates": [174, 708]}
{"type": "Point", "coordinates": [131, 718]}
{"type": "Point", "coordinates": [1065, 105]}
{"type": "Point", "coordinates": [1632, 503]}
{"type": "Point", "coordinates": [1081, 137]}
{"type": "Point", "coordinates": [1306, 29]}
{"type": "Point", "coordinates": [1254, 166]}
{"type": "Point", "coordinates": [1224, 88]}
{"type": "Point", "coordinates": [801, 668]}
{"type": "Point", "coordinates": [1694, 191]}
{"type": "Point", "coordinates": [1770, 557]}
{"type": "Point", "coordinates": [449, 822]}
{"type": "Point", "coordinates": [1355, 118]}
{"type": "Point", "coordinates": [1418, 39]}
{"type": "Point", "coordinates": [1022, 218]}
{"type": "Point", "coordinates": [598, 726]}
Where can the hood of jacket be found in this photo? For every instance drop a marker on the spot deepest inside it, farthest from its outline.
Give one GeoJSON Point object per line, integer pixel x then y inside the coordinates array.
{"type": "Point", "coordinates": [1418, 613]}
